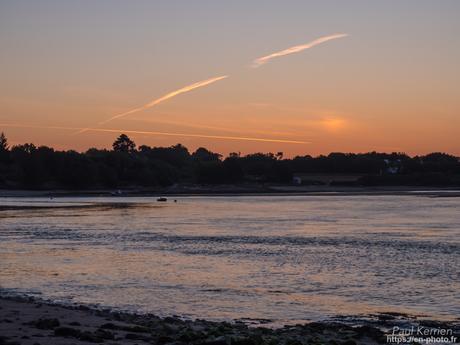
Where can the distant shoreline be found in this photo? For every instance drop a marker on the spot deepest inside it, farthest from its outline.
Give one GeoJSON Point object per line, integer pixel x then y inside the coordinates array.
{"type": "Point", "coordinates": [232, 191]}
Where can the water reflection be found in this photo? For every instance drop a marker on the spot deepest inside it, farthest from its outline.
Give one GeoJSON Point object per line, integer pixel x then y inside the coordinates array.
{"type": "Point", "coordinates": [282, 258]}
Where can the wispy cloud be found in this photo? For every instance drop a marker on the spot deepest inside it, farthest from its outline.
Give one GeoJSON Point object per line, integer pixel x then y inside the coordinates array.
{"type": "Point", "coordinates": [153, 103]}
{"type": "Point", "coordinates": [174, 134]}
{"type": "Point", "coordinates": [296, 49]}
{"type": "Point", "coordinates": [224, 137]}
{"type": "Point", "coordinates": [168, 96]}
{"type": "Point", "coordinates": [256, 63]}
{"type": "Point", "coordinates": [206, 127]}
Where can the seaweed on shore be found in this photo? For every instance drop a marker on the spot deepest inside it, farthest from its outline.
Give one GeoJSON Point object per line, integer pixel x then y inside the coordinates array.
{"type": "Point", "coordinates": [117, 327]}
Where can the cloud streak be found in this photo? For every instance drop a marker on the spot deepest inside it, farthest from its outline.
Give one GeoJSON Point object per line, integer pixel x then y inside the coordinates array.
{"type": "Point", "coordinates": [206, 127]}
{"type": "Point", "coordinates": [153, 103]}
{"type": "Point", "coordinates": [168, 96]}
{"type": "Point", "coordinates": [256, 63]}
{"type": "Point", "coordinates": [296, 49]}
{"type": "Point", "coordinates": [174, 134]}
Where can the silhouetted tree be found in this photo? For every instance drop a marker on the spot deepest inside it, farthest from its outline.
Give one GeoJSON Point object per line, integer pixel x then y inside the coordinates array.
{"type": "Point", "coordinates": [232, 169]}
{"type": "Point", "coordinates": [176, 155]}
{"type": "Point", "coordinates": [204, 155]}
{"type": "Point", "coordinates": [28, 166]}
{"type": "Point", "coordinates": [3, 142]}
{"type": "Point", "coordinates": [4, 151]}
{"type": "Point", "coordinates": [124, 144]}
{"type": "Point", "coordinates": [234, 154]}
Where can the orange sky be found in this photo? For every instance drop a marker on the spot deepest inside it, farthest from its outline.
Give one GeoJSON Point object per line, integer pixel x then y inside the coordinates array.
{"type": "Point", "coordinates": [391, 85]}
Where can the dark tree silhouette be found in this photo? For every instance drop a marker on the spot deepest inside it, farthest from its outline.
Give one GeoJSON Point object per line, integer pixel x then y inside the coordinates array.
{"type": "Point", "coordinates": [234, 154]}
{"type": "Point", "coordinates": [4, 152]}
{"type": "Point", "coordinates": [29, 166]}
{"type": "Point", "coordinates": [204, 155]}
{"type": "Point", "coordinates": [3, 142]}
{"type": "Point", "coordinates": [124, 144]}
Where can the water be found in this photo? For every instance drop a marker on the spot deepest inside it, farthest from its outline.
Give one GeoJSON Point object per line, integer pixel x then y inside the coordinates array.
{"type": "Point", "coordinates": [288, 259]}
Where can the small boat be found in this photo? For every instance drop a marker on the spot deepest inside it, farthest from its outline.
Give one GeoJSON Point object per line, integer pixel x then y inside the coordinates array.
{"type": "Point", "coordinates": [162, 199]}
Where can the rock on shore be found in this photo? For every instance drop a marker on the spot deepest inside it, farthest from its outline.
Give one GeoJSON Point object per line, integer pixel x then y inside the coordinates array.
{"type": "Point", "coordinates": [31, 322]}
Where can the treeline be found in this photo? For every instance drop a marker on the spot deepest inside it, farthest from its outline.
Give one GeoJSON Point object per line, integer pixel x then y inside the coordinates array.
{"type": "Point", "coordinates": [28, 166]}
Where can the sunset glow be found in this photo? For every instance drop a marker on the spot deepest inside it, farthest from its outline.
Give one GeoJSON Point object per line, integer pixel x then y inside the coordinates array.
{"type": "Point", "coordinates": [229, 172]}
{"type": "Point", "coordinates": [161, 99]}
{"type": "Point", "coordinates": [171, 134]}
{"type": "Point", "coordinates": [356, 85]}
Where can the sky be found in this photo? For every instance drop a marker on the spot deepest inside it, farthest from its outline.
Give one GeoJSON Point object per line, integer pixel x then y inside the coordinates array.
{"type": "Point", "coordinates": [389, 83]}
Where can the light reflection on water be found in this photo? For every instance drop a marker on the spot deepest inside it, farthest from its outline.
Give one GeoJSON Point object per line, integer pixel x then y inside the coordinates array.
{"type": "Point", "coordinates": [271, 257]}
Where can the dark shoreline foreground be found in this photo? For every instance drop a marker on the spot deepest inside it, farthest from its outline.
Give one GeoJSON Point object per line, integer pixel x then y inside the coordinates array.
{"type": "Point", "coordinates": [30, 321]}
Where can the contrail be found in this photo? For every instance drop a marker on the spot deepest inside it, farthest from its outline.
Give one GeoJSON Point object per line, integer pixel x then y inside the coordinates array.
{"type": "Point", "coordinates": [168, 96]}
{"type": "Point", "coordinates": [161, 99]}
{"type": "Point", "coordinates": [160, 133]}
{"type": "Point", "coordinates": [218, 128]}
{"type": "Point", "coordinates": [296, 49]}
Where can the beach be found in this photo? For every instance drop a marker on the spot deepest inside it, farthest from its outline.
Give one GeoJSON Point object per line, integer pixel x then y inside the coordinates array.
{"type": "Point", "coordinates": [28, 321]}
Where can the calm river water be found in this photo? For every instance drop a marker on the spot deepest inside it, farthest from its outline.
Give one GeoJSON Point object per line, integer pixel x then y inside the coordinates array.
{"type": "Point", "coordinates": [284, 258]}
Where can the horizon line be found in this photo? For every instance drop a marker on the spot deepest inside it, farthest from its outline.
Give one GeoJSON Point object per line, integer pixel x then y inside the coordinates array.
{"type": "Point", "coordinates": [456, 155]}
{"type": "Point", "coordinates": [176, 134]}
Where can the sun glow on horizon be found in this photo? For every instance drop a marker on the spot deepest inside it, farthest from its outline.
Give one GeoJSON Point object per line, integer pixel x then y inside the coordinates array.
{"type": "Point", "coordinates": [332, 79]}
{"type": "Point", "coordinates": [333, 124]}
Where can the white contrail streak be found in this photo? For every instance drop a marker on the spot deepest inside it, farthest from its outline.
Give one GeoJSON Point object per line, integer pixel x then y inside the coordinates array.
{"type": "Point", "coordinates": [161, 99]}
{"type": "Point", "coordinates": [296, 49]}
{"type": "Point", "coordinates": [168, 96]}
{"type": "Point", "coordinates": [174, 134]}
